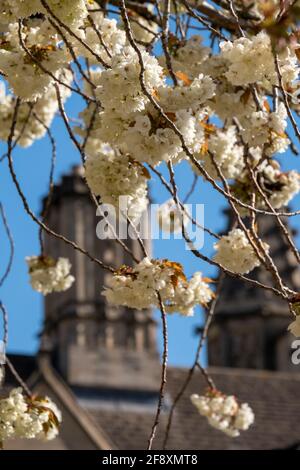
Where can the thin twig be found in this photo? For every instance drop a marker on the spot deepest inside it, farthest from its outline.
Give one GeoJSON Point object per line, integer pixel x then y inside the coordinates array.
{"type": "Point", "coordinates": [190, 374]}
{"type": "Point", "coordinates": [26, 205]}
{"type": "Point", "coordinates": [163, 371]}
{"type": "Point", "coordinates": [11, 243]}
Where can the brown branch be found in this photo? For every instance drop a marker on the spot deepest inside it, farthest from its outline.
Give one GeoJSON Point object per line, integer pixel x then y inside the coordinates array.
{"type": "Point", "coordinates": [164, 40]}
{"type": "Point", "coordinates": [11, 243]}
{"type": "Point", "coordinates": [163, 372]}
{"type": "Point", "coordinates": [51, 177]}
{"type": "Point", "coordinates": [260, 251]}
{"type": "Point", "coordinates": [190, 374]}
{"type": "Point", "coordinates": [181, 204]}
{"type": "Point", "coordinates": [18, 378]}
{"type": "Point", "coordinates": [173, 126]}
{"type": "Point", "coordinates": [5, 326]}
{"type": "Point", "coordinates": [198, 254]}
{"type": "Point", "coordinates": [69, 30]}
{"type": "Point", "coordinates": [44, 69]}
{"type": "Point", "coordinates": [26, 205]}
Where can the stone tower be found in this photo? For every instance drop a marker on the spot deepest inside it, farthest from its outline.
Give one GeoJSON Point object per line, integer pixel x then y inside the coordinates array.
{"type": "Point", "coordinates": [91, 343]}
{"type": "Point", "coordinates": [250, 324]}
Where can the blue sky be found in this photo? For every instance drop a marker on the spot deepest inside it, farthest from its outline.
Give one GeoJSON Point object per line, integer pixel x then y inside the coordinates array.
{"type": "Point", "coordinates": [32, 166]}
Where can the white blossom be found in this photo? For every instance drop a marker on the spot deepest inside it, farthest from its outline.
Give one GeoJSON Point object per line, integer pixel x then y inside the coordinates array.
{"type": "Point", "coordinates": [111, 175]}
{"type": "Point", "coordinates": [34, 117]}
{"type": "Point", "coordinates": [49, 275]}
{"type": "Point", "coordinates": [284, 186]}
{"type": "Point", "coordinates": [143, 30]}
{"type": "Point", "coordinates": [112, 41]}
{"type": "Point", "coordinates": [25, 77]}
{"type": "Point", "coordinates": [278, 187]}
{"type": "Point", "coordinates": [28, 418]}
{"type": "Point", "coordinates": [138, 129]}
{"type": "Point", "coordinates": [221, 146]}
{"type": "Point", "coordinates": [223, 412]}
{"type": "Point", "coordinates": [267, 130]}
{"type": "Point", "coordinates": [149, 138]}
{"type": "Point", "coordinates": [119, 88]}
{"type": "Point", "coordinates": [145, 135]}
{"type": "Point", "coordinates": [189, 294]}
{"type": "Point", "coordinates": [188, 56]}
{"type": "Point", "coordinates": [70, 12]}
{"type": "Point", "coordinates": [235, 252]}
{"type": "Point", "coordinates": [230, 102]}
{"type": "Point", "coordinates": [227, 110]}
{"type": "Point", "coordinates": [138, 287]}
{"type": "Point", "coordinates": [215, 65]}
{"type": "Point", "coordinates": [191, 95]}
{"type": "Point", "coordinates": [252, 61]}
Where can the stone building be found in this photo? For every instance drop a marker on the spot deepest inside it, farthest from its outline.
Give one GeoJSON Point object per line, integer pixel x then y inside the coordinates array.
{"type": "Point", "coordinates": [101, 366]}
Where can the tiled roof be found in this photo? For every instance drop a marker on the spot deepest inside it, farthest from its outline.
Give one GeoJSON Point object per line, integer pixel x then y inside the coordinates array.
{"type": "Point", "coordinates": [274, 397]}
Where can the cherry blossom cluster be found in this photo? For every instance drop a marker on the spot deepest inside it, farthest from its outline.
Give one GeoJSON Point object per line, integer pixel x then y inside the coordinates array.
{"type": "Point", "coordinates": [34, 118]}
{"type": "Point", "coordinates": [227, 154]}
{"type": "Point", "coordinates": [236, 253]}
{"type": "Point", "coordinates": [129, 121]}
{"type": "Point", "coordinates": [244, 56]}
{"type": "Point", "coordinates": [111, 175]}
{"type": "Point", "coordinates": [70, 12]}
{"type": "Point", "coordinates": [29, 51]}
{"type": "Point", "coordinates": [139, 287]}
{"type": "Point", "coordinates": [28, 418]}
{"type": "Point", "coordinates": [48, 275]}
{"type": "Point", "coordinates": [111, 41]}
{"type": "Point", "coordinates": [132, 123]}
{"type": "Point", "coordinates": [223, 412]}
{"type": "Point", "coordinates": [279, 187]}
{"type": "Point", "coordinates": [209, 85]}
{"type": "Point", "coordinates": [143, 30]}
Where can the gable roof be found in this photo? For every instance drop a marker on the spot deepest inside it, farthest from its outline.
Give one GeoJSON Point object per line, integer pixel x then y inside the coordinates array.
{"type": "Point", "coordinates": [273, 396]}
{"type": "Point", "coordinates": [105, 421]}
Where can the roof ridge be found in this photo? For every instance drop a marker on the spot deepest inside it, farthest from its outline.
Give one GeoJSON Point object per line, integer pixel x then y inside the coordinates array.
{"type": "Point", "coordinates": [249, 372]}
{"type": "Point", "coordinates": [86, 421]}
